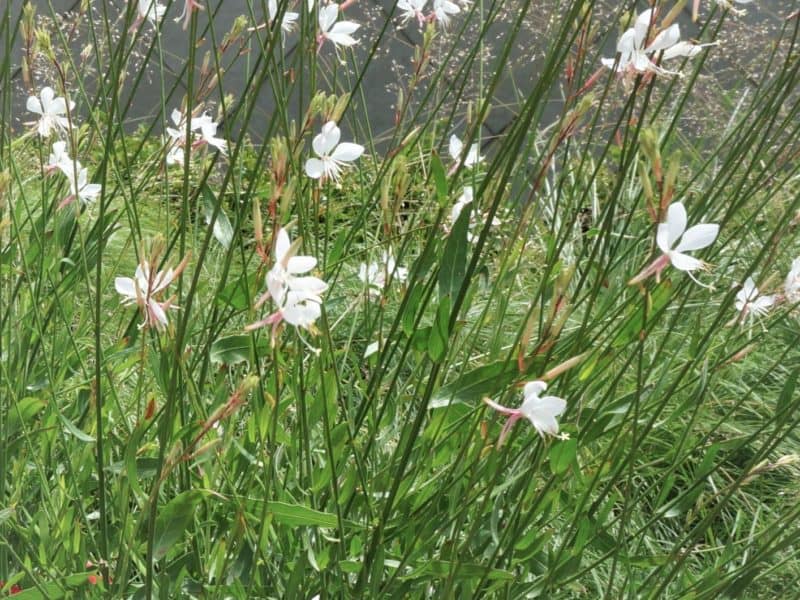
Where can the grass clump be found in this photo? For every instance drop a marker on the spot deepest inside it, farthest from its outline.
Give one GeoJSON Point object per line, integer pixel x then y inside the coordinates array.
{"type": "Point", "coordinates": [532, 364]}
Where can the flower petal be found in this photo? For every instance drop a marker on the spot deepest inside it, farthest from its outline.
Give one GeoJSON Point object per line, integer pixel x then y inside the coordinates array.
{"type": "Point", "coordinates": [282, 245]}
{"type": "Point", "coordinates": [685, 49]}
{"type": "Point", "coordinates": [455, 147]}
{"type": "Point", "coordinates": [327, 16]}
{"type": "Point", "coordinates": [533, 388]}
{"type": "Point", "coordinates": [698, 237]}
{"type": "Point", "coordinates": [125, 286]}
{"type": "Point", "coordinates": [315, 168]}
{"type": "Point", "coordinates": [667, 38]}
{"type": "Point", "coordinates": [300, 264]}
{"type": "Point", "coordinates": [344, 28]}
{"type": "Point", "coordinates": [47, 94]}
{"type": "Point", "coordinates": [341, 39]}
{"type": "Point", "coordinates": [684, 262]}
{"type": "Point", "coordinates": [327, 139]}
{"type": "Point", "coordinates": [676, 222]}
{"type": "Point", "coordinates": [347, 152]}
{"type": "Point", "coordinates": [34, 105]}
{"type": "Point", "coordinates": [642, 25]}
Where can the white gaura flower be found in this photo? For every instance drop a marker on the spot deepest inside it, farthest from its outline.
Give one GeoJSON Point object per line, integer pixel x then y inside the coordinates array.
{"type": "Point", "coordinates": [412, 9]}
{"type": "Point", "coordinates": [59, 159]}
{"type": "Point", "coordinates": [297, 297]}
{"type": "Point", "coordinates": [338, 33]}
{"type": "Point", "coordinates": [376, 275]}
{"type": "Point", "coordinates": [332, 155]}
{"type": "Point", "coordinates": [456, 148]}
{"type": "Point", "coordinates": [289, 18]}
{"type": "Point", "coordinates": [540, 411]}
{"type": "Point", "coordinates": [673, 231]}
{"type": "Point", "coordinates": [444, 9]}
{"type": "Point", "coordinates": [177, 136]}
{"type": "Point", "coordinates": [634, 54]}
{"type": "Point", "coordinates": [52, 111]}
{"type": "Point", "coordinates": [80, 188]}
{"type": "Point", "coordinates": [152, 10]}
{"type": "Point", "coordinates": [791, 287]}
{"type": "Point", "coordinates": [144, 289]}
{"type": "Point", "coordinates": [208, 134]}
{"type": "Point", "coordinates": [749, 303]}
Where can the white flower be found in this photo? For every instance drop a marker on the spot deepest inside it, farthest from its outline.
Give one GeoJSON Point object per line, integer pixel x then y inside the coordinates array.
{"type": "Point", "coordinates": [540, 411]}
{"type": "Point", "coordinates": [339, 33]}
{"type": "Point", "coordinates": [749, 303]}
{"type": "Point", "coordinates": [52, 111]}
{"type": "Point", "coordinates": [80, 188]}
{"type": "Point", "coordinates": [332, 154]}
{"type": "Point", "coordinates": [674, 230]}
{"type": "Point", "coordinates": [456, 147]}
{"type": "Point", "coordinates": [59, 159]}
{"type": "Point", "coordinates": [143, 289]}
{"type": "Point", "coordinates": [377, 274]}
{"type": "Point", "coordinates": [298, 298]}
{"type": "Point", "coordinates": [208, 134]}
{"type": "Point", "coordinates": [289, 18]}
{"type": "Point", "coordinates": [634, 54]}
{"type": "Point", "coordinates": [694, 238]}
{"type": "Point", "coordinates": [177, 135]}
{"type": "Point", "coordinates": [151, 10]}
{"type": "Point", "coordinates": [464, 199]}
{"type": "Point", "coordinates": [443, 9]}
{"type": "Point", "coordinates": [791, 286]}
{"type": "Point", "coordinates": [412, 9]}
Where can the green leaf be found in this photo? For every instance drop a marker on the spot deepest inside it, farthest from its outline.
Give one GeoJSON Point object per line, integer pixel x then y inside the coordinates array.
{"type": "Point", "coordinates": [223, 231]}
{"type": "Point", "coordinates": [439, 180]}
{"type": "Point", "coordinates": [443, 568]}
{"type": "Point", "coordinates": [73, 429]}
{"type": "Point", "coordinates": [23, 412]}
{"type": "Point", "coordinates": [410, 311]}
{"type": "Point", "coordinates": [562, 454]}
{"type": "Point", "coordinates": [487, 380]}
{"type": "Point", "coordinates": [453, 266]}
{"type": "Point", "coordinates": [439, 336]}
{"type": "Point", "coordinates": [231, 350]}
{"type": "Point", "coordinates": [785, 399]}
{"type": "Point", "coordinates": [236, 295]}
{"type": "Point", "coordinates": [296, 515]}
{"type": "Point", "coordinates": [636, 325]}
{"type": "Point", "coordinates": [174, 519]}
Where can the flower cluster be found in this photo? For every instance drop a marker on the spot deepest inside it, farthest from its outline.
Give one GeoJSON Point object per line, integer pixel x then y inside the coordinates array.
{"type": "Point", "coordinates": [202, 132]}
{"type": "Point", "coordinates": [636, 55]}
{"type": "Point", "coordinates": [377, 275]}
{"type": "Point", "coordinates": [54, 117]}
{"type": "Point", "coordinates": [441, 12]}
{"type": "Point", "coordinates": [297, 297]}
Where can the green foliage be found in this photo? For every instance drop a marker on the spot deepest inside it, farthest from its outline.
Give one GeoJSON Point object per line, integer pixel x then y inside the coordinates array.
{"type": "Point", "coordinates": [357, 458]}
